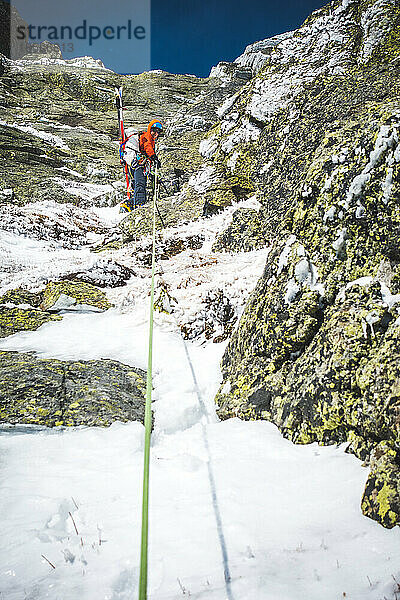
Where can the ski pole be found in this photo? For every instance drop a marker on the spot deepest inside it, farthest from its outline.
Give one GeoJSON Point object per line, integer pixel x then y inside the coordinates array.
{"type": "Point", "coordinates": [120, 108]}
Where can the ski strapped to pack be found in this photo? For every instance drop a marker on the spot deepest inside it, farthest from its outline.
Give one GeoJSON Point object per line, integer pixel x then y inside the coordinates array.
{"type": "Point", "coordinates": [120, 109]}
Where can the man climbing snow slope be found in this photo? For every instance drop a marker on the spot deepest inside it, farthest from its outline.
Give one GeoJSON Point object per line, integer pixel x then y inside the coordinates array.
{"type": "Point", "coordinates": [140, 163]}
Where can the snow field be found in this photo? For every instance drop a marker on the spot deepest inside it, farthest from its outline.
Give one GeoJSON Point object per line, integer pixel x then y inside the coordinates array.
{"type": "Point", "coordinates": [290, 514]}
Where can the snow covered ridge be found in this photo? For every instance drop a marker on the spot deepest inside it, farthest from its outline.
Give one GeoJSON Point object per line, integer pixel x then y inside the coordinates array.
{"type": "Point", "coordinates": [81, 62]}
{"type": "Point", "coordinates": [326, 44]}
{"type": "Point", "coordinates": [375, 26]}
{"type": "Point", "coordinates": [257, 55]}
{"type": "Point", "coordinates": [324, 37]}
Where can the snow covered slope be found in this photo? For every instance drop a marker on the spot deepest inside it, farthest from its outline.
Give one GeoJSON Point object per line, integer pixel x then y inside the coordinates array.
{"type": "Point", "coordinates": [70, 498]}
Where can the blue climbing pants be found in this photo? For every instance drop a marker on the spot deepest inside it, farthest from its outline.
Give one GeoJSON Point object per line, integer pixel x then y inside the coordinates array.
{"type": "Point", "coordinates": [139, 194]}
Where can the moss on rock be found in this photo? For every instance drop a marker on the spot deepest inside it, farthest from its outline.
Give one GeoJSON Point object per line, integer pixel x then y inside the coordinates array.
{"type": "Point", "coordinates": [64, 294]}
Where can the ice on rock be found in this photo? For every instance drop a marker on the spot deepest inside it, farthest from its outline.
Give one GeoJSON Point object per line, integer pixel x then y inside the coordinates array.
{"type": "Point", "coordinates": [330, 214]}
{"type": "Point", "coordinates": [340, 243]}
{"type": "Point", "coordinates": [387, 185]}
{"type": "Point", "coordinates": [375, 26]}
{"type": "Point", "coordinates": [292, 289]}
{"type": "Point", "coordinates": [208, 147]}
{"type": "Point", "coordinates": [389, 299]}
{"type": "Point", "coordinates": [64, 302]}
{"type": "Point", "coordinates": [226, 387]}
{"type": "Point", "coordinates": [284, 256]}
{"type": "Point", "coordinates": [203, 179]}
{"type": "Point", "coordinates": [231, 162]}
{"type": "Point", "coordinates": [303, 272]}
{"type": "Point", "coordinates": [360, 211]}
{"type": "Point", "coordinates": [386, 140]}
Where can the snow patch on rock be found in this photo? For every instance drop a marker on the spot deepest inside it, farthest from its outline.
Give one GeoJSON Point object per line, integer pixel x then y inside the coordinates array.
{"type": "Point", "coordinates": [49, 138]}
{"type": "Point", "coordinates": [203, 179]}
{"type": "Point", "coordinates": [375, 26]}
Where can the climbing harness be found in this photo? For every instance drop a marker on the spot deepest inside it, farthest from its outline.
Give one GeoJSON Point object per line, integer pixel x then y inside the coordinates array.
{"type": "Point", "coordinates": [147, 421]}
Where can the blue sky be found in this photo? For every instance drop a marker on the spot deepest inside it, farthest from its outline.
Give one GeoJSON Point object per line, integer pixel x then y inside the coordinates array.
{"type": "Point", "coordinates": [182, 36]}
{"type": "Point", "coordinates": [122, 53]}
{"type": "Point", "coordinates": [191, 36]}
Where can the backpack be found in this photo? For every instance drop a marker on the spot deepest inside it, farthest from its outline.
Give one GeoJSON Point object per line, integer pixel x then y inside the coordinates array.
{"type": "Point", "coordinates": [129, 148]}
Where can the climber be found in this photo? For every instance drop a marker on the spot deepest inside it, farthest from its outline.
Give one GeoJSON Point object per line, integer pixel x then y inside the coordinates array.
{"type": "Point", "coordinates": [140, 163]}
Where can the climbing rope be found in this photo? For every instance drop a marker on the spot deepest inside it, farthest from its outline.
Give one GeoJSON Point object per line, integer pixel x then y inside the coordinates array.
{"type": "Point", "coordinates": [147, 421]}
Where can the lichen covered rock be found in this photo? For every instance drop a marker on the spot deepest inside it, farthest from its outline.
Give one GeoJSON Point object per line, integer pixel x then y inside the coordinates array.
{"type": "Point", "coordinates": [53, 392]}
{"type": "Point", "coordinates": [20, 311]}
{"type": "Point", "coordinates": [74, 295]}
{"type": "Point", "coordinates": [316, 350]}
{"type": "Point", "coordinates": [22, 296]}
{"type": "Point", "coordinates": [245, 233]}
{"type": "Point", "coordinates": [16, 319]}
{"type": "Point", "coordinates": [381, 499]}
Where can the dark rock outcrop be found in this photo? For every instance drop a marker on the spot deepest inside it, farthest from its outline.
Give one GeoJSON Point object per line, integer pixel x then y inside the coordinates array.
{"type": "Point", "coordinates": [53, 392]}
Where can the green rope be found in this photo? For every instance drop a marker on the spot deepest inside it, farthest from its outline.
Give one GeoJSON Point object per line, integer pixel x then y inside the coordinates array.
{"type": "Point", "coordinates": [147, 422]}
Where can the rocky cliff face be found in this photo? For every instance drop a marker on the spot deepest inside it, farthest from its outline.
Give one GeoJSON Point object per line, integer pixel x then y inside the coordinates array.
{"type": "Point", "coordinates": [317, 349]}
{"type": "Point", "coordinates": [308, 124]}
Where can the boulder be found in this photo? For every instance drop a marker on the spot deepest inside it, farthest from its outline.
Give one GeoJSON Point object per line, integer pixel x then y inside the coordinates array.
{"type": "Point", "coordinates": [105, 273]}
{"type": "Point", "coordinates": [19, 311]}
{"type": "Point", "coordinates": [53, 392]}
{"type": "Point", "coordinates": [17, 319]}
{"type": "Point", "coordinates": [73, 295]}
{"type": "Point", "coordinates": [22, 296]}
